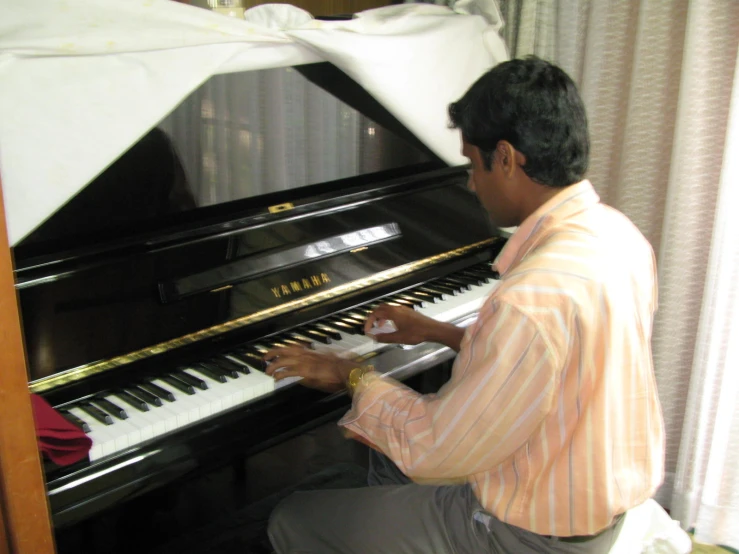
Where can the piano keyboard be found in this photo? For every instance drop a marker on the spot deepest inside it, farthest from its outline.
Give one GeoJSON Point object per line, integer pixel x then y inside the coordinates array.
{"type": "Point", "coordinates": [144, 410]}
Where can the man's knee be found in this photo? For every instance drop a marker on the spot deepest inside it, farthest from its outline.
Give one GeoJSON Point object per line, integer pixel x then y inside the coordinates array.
{"type": "Point", "coordinates": [287, 522]}
{"type": "Point", "coordinates": [279, 524]}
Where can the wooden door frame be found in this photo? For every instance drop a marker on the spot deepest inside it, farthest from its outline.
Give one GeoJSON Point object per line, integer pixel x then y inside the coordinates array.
{"type": "Point", "coordinates": [25, 523]}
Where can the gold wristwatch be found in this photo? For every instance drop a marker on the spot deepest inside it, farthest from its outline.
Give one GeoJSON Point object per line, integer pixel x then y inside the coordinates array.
{"type": "Point", "coordinates": [358, 376]}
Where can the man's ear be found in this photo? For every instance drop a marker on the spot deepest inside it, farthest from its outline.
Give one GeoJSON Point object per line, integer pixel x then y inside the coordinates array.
{"type": "Point", "coordinates": [508, 157]}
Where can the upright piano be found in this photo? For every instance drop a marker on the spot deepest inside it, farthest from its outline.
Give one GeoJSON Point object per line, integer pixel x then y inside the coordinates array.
{"type": "Point", "coordinates": [271, 207]}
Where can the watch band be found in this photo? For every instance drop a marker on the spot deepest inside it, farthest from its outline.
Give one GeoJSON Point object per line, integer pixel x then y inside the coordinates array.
{"type": "Point", "coordinates": [357, 376]}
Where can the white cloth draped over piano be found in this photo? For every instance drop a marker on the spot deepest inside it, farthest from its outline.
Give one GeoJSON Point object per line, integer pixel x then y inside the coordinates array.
{"type": "Point", "coordinates": [82, 80]}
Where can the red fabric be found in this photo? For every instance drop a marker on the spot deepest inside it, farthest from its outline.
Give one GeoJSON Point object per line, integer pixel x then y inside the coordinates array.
{"type": "Point", "coordinates": [63, 442]}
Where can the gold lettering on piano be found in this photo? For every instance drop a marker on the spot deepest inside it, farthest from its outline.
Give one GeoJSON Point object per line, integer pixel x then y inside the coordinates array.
{"type": "Point", "coordinates": [301, 285]}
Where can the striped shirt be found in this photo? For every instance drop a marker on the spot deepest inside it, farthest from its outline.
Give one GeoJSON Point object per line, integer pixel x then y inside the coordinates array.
{"type": "Point", "coordinates": [551, 413]}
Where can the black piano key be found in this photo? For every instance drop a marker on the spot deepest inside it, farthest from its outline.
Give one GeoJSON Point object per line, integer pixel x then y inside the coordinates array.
{"type": "Point", "coordinates": [156, 391]}
{"type": "Point", "coordinates": [95, 413]}
{"type": "Point", "coordinates": [484, 278]}
{"type": "Point", "coordinates": [319, 335]}
{"type": "Point", "coordinates": [305, 341]}
{"type": "Point", "coordinates": [481, 270]}
{"type": "Point", "coordinates": [401, 301]}
{"type": "Point", "coordinates": [429, 289]}
{"type": "Point", "coordinates": [292, 342]}
{"type": "Point", "coordinates": [254, 358]}
{"type": "Point", "coordinates": [327, 326]}
{"type": "Point", "coordinates": [416, 301]}
{"type": "Point", "coordinates": [474, 278]}
{"type": "Point", "coordinates": [74, 420]}
{"type": "Point", "coordinates": [206, 371]}
{"type": "Point", "coordinates": [110, 407]}
{"type": "Point", "coordinates": [190, 379]}
{"type": "Point", "coordinates": [224, 367]}
{"type": "Point", "coordinates": [352, 315]}
{"type": "Point", "coordinates": [239, 363]}
{"type": "Point", "coordinates": [260, 348]}
{"type": "Point", "coordinates": [350, 323]}
{"type": "Point", "coordinates": [462, 279]}
{"type": "Point", "coordinates": [427, 296]}
{"type": "Point", "coordinates": [451, 283]}
{"type": "Point", "coordinates": [445, 289]}
{"type": "Point", "coordinates": [181, 386]}
{"type": "Point", "coordinates": [216, 366]}
{"type": "Point", "coordinates": [147, 397]}
{"type": "Point", "coordinates": [487, 269]}
{"type": "Point", "coordinates": [132, 400]}
{"type": "Point", "coordinates": [340, 325]}
{"type": "Point", "coordinates": [276, 344]}
{"type": "Point", "coordinates": [361, 318]}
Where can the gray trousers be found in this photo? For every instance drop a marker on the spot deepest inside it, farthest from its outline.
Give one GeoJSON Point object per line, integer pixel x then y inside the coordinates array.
{"type": "Point", "coordinates": [395, 516]}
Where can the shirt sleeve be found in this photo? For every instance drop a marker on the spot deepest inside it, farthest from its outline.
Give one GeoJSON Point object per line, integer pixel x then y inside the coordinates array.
{"type": "Point", "coordinates": [502, 387]}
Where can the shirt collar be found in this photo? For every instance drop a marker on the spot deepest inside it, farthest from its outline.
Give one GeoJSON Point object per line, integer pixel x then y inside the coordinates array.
{"type": "Point", "coordinates": [569, 201]}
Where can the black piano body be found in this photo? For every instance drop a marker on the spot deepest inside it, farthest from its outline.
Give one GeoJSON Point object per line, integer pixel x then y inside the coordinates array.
{"type": "Point", "coordinates": [274, 207]}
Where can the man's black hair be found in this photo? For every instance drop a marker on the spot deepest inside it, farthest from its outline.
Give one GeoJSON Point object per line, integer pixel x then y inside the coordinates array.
{"type": "Point", "coordinates": [536, 107]}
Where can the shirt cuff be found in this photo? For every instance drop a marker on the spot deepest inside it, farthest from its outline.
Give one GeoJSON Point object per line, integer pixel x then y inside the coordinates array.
{"type": "Point", "coordinates": [365, 397]}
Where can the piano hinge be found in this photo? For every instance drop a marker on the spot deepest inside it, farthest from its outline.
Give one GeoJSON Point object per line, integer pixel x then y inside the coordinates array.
{"type": "Point", "coordinates": [281, 207]}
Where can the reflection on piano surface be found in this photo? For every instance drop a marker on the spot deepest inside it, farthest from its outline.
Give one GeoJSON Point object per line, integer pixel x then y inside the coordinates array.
{"type": "Point", "coordinates": [149, 300]}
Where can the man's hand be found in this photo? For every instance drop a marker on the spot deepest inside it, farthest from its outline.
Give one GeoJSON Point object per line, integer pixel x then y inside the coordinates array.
{"type": "Point", "coordinates": [325, 372]}
{"type": "Point", "coordinates": [413, 327]}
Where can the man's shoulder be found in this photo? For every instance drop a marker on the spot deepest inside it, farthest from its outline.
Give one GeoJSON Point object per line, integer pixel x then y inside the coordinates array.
{"type": "Point", "coordinates": [589, 247]}
{"type": "Point", "coordinates": [600, 254]}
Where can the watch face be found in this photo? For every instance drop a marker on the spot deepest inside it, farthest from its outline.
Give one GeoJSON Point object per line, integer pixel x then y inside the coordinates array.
{"type": "Point", "coordinates": [354, 376]}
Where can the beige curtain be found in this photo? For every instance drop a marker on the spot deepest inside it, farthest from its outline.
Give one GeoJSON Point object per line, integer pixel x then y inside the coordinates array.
{"type": "Point", "coordinates": [657, 78]}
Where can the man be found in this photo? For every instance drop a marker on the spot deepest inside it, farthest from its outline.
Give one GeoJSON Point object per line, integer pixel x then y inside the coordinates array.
{"type": "Point", "coordinates": [550, 427]}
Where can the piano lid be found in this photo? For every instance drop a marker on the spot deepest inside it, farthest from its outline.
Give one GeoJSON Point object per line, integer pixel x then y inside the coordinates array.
{"type": "Point", "coordinates": [241, 143]}
{"type": "Point", "coordinates": [84, 81]}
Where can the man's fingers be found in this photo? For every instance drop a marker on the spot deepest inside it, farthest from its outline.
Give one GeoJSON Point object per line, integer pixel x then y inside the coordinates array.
{"type": "Point", "coordinates": [285, 373]}
{"type": "Point", "coordinates": [378, 316]}
{"type": "Point", "coordinates": [386, 337]}
{"type": "Point", "coordinates": [286, 363]}
{"type": "Point", "coordinates": [284, 352]}
{"type": "Point", "coordinates": [370, 322]}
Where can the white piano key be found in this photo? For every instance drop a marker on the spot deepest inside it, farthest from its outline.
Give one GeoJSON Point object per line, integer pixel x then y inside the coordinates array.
{"type": "Point", "coordinates": [182, 406]}
{"type": "Point", "coordinates": [456, 307]}
{"type": "Point", "coordinates": [101, 441]}
{"type": "Point", "coordinates": [125, 434]}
